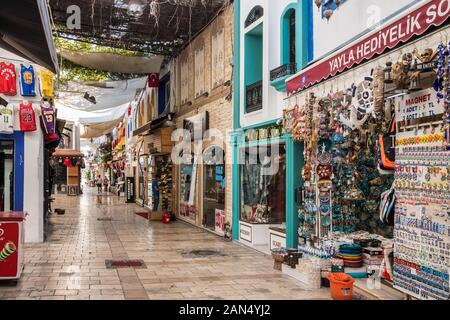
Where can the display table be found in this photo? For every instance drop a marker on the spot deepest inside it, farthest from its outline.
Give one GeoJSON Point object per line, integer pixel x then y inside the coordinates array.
{"type": "Point", "coordinates": [11, 244]}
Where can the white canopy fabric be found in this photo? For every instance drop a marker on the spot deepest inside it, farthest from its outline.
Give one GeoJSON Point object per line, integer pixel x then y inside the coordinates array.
{"type": "Point", "coordinates": [107, 94]}
{"type": "Point", "coordinates": [91, 117]}
{"type": "Point", "coordinates": [98, 129]}
{"type": "Point", "coordinates": [114, 62]}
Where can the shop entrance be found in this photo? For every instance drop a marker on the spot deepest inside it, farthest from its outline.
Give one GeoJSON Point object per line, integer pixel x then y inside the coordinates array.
{"type": "Point", "coordinates": [160, 183]}
{"type": "Point", "coordinates": [263, 193]}
{"type": "Point", "coordinates": [214, 193]}
{"type": "Point", "coordinates": [6, 175]}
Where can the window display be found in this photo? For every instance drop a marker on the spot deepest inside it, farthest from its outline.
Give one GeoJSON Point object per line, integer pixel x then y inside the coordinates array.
{"type": "Point", "coordinates": [263, 185]}
{"type": "Point", "coordinates": [188, 177]}
{"type": "Point", "coordinates": [213, 195]}
{"type": "Point", "coordinates": [142, 171]}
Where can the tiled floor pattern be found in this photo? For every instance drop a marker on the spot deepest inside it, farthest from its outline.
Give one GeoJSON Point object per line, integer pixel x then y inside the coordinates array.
{"type": "Point", "coordinates": [71, 263]}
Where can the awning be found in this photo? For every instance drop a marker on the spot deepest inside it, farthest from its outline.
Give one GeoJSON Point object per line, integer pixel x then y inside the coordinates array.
{"type": "Point", "coordinates": [155, 124]}
{"type": "Point", "coordinates": [67, 153]}
{"type": "Point", "coordinates": [415, 21]}
{"type": "Point", "coordinates": [111, 62]}
{"type": "Point", "coordinates": [25, 30]}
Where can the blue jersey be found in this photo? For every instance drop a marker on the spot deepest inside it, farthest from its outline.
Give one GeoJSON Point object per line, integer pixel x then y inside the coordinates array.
{"type": "Point", "coordinates": [27, 81]}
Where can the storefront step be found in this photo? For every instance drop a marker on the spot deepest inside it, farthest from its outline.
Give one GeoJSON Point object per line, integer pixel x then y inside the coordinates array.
{"type": "Point", "coordinates": [384, 292]}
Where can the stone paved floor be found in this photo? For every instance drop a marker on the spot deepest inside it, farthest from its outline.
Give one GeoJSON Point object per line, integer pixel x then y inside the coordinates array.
{"type": "Point", "coordinates": [71, 264]}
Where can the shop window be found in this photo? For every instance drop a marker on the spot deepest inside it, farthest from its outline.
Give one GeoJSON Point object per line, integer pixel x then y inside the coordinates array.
{"type": "Point", "coordinates": [214, 195]}
{"type": "Point", "coordinates": [288, 29]}
{"type": "Point", "coordinates": [142, 171]}
{"type": "Point", "coordinates": [254, 69]}
{"type": "Point", "coordinates": [6, 175]}
{"type": "Point", "coordinates": [263, 184]}
{"type": "Point", "coordinates": [187, 187]}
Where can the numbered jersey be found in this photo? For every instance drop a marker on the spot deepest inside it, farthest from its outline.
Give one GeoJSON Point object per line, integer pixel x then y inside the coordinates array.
{"type": "Point", "coordinates": [7, 119]}
{"type": "Point", "coordinates": [27, 81]}
{"type": "Point", "coordinates": [8, 79]}
{"type": "Point", "coordinates": [48, 118]}
{"type": "Point", "coordinates": [27, 118]}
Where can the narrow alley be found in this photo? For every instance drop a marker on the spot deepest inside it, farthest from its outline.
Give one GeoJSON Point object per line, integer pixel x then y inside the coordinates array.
{"type": "Point", "coordinates": [96, 228]}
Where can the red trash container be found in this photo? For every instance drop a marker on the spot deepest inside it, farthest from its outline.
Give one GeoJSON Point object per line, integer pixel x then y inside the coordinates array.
{"type": "Point", "coordinates": [11, 244]}
{"type": "Point", "coordinates": [166, 217]}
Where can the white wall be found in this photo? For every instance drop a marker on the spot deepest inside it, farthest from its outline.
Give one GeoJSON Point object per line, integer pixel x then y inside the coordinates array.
{"type": "Point", "coordinates": [352, 18]}
{"type": "Point", "coordinates": [273, 103]}
{"type": "Point", "coordinates": [33, 196]}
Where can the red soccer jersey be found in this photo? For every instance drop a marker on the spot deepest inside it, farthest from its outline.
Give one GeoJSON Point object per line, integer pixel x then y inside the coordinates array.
{"type": "Point", "coordinates": [8, 79]}
{"type": "Point", "coordinates": [27, 118]}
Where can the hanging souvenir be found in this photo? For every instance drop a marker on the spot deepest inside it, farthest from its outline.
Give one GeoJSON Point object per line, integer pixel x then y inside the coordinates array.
{"type": "Point", "coordinates": [8, 79]}
{"type": "Point", "coordinates": [67, 162]}
{"type": "Point", "coordinates": [48, 120]}
{"type": "Point", "coordinates": [27, 117]}
{"type": "Point", "coordinates": [27, 81]}
{"type": "Point", "coordinates": [6, 118]}
{"type": "Point", "coordinates": [47, 83]}
{"type": "Point", "coordinates": [386, 147]}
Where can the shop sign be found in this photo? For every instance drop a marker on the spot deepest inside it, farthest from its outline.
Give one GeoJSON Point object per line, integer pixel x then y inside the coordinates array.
{"type": "Point", "coordinates": [245, 232]}
{"type": "Point", "coordinates": [434, 13]}
{"type": "Point", "coordinates": [130, 189]}
{"type": "Point", "coordinates": [277, 242]}
{"type": "Point", "coordinates": [9, 243]}
{"type": "Point", "coordinates": [418, 105]}
{"type": "Point", "coordinates": [220, 221]}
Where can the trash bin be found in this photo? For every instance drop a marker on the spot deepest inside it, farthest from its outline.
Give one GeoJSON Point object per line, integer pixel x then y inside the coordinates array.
{"type": "Point", "coordinates": [341, 286]}
{"type": "Point", "coordinates": [11, 244]}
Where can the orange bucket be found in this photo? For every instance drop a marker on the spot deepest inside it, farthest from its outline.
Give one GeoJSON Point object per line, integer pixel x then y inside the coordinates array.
{"type": "Point", "coordinates": [341, 286]}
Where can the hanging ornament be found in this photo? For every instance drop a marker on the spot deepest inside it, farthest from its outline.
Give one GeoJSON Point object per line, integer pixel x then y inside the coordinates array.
{"type": "Point", "coordinates": [328, 14]}
{"type": "Point", "coordinates": [318, 3]}
{"type": "Point", "coordinates": [67, 162]}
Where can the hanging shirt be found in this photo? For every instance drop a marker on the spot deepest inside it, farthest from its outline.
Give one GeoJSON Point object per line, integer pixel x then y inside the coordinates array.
{"type": "Point", "coordinates": [8, 79]}
{"type": "Point", "coordinates": [27, 81]}
{"type": "Point", "coordinates": [7, 118]}
{"type": "Point", "coordinates": [46, 83]}
{"type": "Point", "coordinates": [27, 118]}
{"type": "Point", "coordinates": [48, 119]}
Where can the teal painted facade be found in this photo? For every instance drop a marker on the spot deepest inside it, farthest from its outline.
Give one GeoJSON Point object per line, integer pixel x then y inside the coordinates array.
{"type": "Point", "coordinates": [253, 51]}
{"type": "Point", "coordinates": [235, 135]}
{"type": "Point", "coordinates": [303, 38]}
{"type": "Point", "coordinates": [294, 150]}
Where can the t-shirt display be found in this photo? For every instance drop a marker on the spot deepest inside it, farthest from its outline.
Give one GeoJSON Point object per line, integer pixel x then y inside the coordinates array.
{"type": "Point", "coordinates": [27, 81]}
{"type": "Point", "coordinates": [6, 118]}
{"type": "Point", "coordinates": [47, 83]}
{"type": "Point", "coordinates": [27, 118]}
{"type": "Point", "coordinates": [8, 79]}
{"type": "Point", "coordinates": [48, 118]}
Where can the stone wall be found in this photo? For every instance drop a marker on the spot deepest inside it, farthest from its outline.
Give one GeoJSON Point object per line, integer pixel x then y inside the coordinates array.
{"type": "Point", "coordinates": [217, 102]}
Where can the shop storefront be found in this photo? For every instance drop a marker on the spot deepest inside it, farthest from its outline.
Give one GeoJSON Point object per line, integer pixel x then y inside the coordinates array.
{"type": "Point", "coordinates": [267, 187]}
{"type": "Point", "coordinates": [374, 118]}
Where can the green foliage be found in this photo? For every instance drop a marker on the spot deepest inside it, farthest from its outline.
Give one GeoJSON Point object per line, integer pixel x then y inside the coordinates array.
{"type": "Point", "coordinates": [72, 71]}
{"type": "Point", "coordinates": [73, 45]}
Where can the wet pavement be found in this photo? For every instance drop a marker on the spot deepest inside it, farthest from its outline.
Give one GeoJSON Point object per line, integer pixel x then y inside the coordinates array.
{"type": "Point", "coordinates": [181, 261]}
